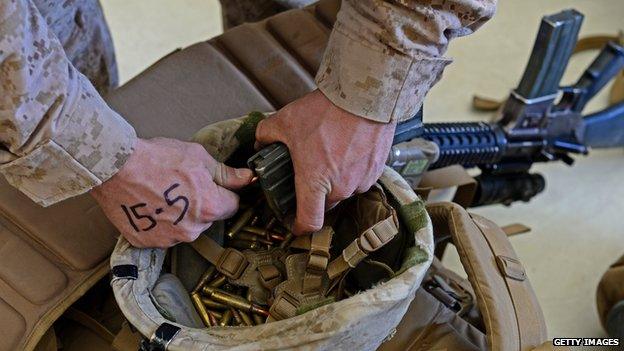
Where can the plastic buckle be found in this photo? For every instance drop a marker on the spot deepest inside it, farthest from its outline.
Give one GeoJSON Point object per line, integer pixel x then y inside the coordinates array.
{"type": "Point", "coordinates": [378, 235]}
{"type": "Point", "coordinates": [284, 306]}
{"type": "Point", "coordinates": [232, 263]}
{"type": "Point", "coordinates": [270, 276]}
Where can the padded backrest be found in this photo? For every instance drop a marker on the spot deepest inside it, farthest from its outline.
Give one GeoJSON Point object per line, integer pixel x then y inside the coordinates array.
{"type": "Point", "coordinates": [511, 313]}
{"type": "Point", "coordinates": [257, 66]}
{"type": "Point", "coordinates": [50, 256]}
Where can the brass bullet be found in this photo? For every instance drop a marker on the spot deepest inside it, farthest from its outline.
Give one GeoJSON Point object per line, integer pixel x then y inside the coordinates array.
{"type": "Point", "coordinates": [254, 230]}
{"type": "Point", "coordinates": [262, 232]}
{"type": "Point", "coordinates": [234, 301]}
{"type": "Point", "coordinates": [288, 239]}
{"type": "Point", "coordinates": [213, 305]}
{"type": "Point", "coordinates": [247, 236]}
{"type": "Point", "coordinates": [237, 316]}
{"type": "Point", "coordinates": [280, 230]}
{"type": "Point", "coordinates": [204, 278]}
{"type": "Point", "coordinates": [216, 314]}
{"type": "Point", "coordinates": [217, 282]}
{"type": "Point", "coordinates": [277, 237]}
{"type": "Point", "coordinates": [203, 313]}
{"type": "Point", "coordinates": [226, 318]}
{"type": "Point", "coordinates": [270, 226]}
{"type": "Point", "coordinates": [243, 245]}
{"type": "Point", "coordinates": [246, 318]}
{"type": "Point", "coordinates": [257, 319]}
{"type": "Point", "coordinates": [214, 321]}
{"type": "Point", "coordinates": [271, 223]}
{"type": "Point", "coordinates": [244, 218]}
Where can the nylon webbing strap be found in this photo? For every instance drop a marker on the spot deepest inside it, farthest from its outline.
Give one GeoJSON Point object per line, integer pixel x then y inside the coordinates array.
{"type": "Point", "coordinates": [162, 337]}
{"type": "Point", "coordinates": [318, 259]}
{"type": "Point", "coordinates": [125, 271]}
{"type": "Point", "coordinates": [452, 176]}
{"type": "Point", "coordinates": [227, 261]}
{"type": "Point", "coordinates": [369, 241]}
{"type": "Point", "coordinates": [528, 312]}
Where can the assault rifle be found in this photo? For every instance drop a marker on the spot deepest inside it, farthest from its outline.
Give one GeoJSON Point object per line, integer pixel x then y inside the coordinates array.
{"type": "Point", "coordinates": [540, 122]}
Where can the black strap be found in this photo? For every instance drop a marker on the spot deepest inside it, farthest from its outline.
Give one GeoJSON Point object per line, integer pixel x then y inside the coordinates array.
{"type": "Point", "coordinates": [161, 338]}
{"type": "Point", "coordinates": [125, 271]}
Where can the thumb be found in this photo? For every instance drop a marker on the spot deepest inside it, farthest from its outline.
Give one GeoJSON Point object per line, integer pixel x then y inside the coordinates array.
{"type": "Point", "coordinates": [231, 178]}
{"type": "Point", "coordinates": [310, 205]}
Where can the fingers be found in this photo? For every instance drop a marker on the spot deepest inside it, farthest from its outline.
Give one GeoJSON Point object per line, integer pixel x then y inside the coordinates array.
{"type": "Point", "coordinates": [310, 205]}
{"type": "Point", "coordinates": [230, 178]}
{"type": "Point", "coordinates": [267, 132]}
{"type": "Point", "coordinates": [220, 203]}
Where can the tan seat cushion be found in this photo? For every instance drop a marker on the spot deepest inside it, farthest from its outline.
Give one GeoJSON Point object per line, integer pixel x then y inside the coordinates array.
{"type": "Point", "coordinates": [50, 257]}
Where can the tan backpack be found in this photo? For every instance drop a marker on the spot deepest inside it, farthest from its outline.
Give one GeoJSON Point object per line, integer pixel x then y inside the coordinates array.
{"type": "Point", "coordinates": [495, 308]}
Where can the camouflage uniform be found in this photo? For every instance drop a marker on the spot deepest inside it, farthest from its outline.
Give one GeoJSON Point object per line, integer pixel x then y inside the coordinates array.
{"type": "Point", "coordinates": [81, 28]}
{"type": "Point", "coordinates": [236, 12]}
{"type": "Point", "coordinates": [59, 139]}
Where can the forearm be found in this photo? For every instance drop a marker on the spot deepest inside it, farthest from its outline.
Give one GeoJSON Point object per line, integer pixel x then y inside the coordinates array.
{"type": "Point", "coordinates": [58, 138]}
{"type": "Point", "coordinates": [384, 56]}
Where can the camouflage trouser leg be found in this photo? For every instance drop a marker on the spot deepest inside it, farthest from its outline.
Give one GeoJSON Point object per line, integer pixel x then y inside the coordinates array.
{"type": "Point", "coordinates": [82, 30]}
{"type": "Point", "coordinates": [237, 12]}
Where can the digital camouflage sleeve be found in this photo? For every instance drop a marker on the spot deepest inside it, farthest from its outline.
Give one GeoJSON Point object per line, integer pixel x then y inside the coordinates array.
{"type": "Point", "coordinates": [383, 56]}
{"type": "Point", "coordinates": [58, 138]}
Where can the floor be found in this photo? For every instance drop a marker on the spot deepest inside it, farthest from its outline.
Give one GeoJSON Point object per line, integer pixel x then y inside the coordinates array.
{"type": "Point", "coordinates": [578, 222]}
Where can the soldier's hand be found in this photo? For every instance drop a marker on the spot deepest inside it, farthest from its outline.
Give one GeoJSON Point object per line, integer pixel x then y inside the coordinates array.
{"type": "Point", "coordinates": [169, 192]}
{"type": "Point", "coordinates": [335, 153]}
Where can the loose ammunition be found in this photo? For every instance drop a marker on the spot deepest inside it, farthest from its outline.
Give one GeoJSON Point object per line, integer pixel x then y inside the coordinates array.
{"type": "Point", "coordinates": [271, 223]}
{"type": "Point", "coordinates": [254, 220]}
{"type": "Point", "coordinates": [213, 305]}
{"type": "Point", "coordinates": [216, 314]}
{"type": "Point", "coordinates": [237, 316]}
{"type": "Point", "coordinates": [258, 319]}
{"type": "Point", "coordinates": [214, 321]}
{"type": "Point", "coordinates": [280, 230]}
{"type": "Point", "coordinates": [247, 236]}
{"type": "Point", "coordinates": [244, 218]}
{"type": "Point", "coordinates": [219, 281]}
{"type": "Point", "coordinates": [203, 313]}
{"type": "Point", "coordinates": [263, 232]}
{"type": "Point", "coordinates": [254, 230]}
{"type": "Point", "coordinates": [243, 245]}
{"type": "Point", "coordinates": [288, 239]}
{"type": "Point", "coordinates": [226, 318]}
{"type": "Point", "coordinates": [246, 318]}
{"type": "Point", "coordinates": [277, 237]}
{"type": "Point", "coordinates": [234, 301]}
{"type": "Point", "coordinates": [204, 278]}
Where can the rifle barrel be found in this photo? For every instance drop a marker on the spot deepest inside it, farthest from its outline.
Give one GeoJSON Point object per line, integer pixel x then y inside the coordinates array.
{"type": "Point", "coordinates": [466, 143]}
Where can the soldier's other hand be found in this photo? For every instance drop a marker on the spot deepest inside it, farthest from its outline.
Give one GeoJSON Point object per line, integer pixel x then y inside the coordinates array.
{"type": "Point", "coordinates": [335, 153]}
{"type": "Point", "coordinates": [168, 192]}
